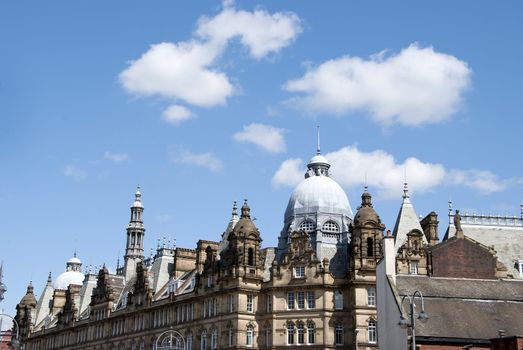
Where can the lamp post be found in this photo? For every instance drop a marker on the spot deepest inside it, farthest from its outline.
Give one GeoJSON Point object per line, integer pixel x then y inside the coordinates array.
{"type": "Point", "coordinates": [16, 342]}
{"type": "Point", "coordinates": [169, 340]}
{"type": "Point", "coordinates": [422, 316]}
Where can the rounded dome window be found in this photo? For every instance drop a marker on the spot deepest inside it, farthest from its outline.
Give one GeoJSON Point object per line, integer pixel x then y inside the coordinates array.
{"type": "Point", "coordinates": [330, 227]}
{"type": "Point", "coordinates": [308, 226]}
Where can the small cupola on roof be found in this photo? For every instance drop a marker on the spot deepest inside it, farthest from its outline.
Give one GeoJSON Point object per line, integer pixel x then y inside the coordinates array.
{"type": "Point", "coordinates": [72, 274]}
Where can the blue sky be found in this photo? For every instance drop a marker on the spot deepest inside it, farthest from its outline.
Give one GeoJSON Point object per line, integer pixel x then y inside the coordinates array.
{"type": "Point", "coordinates": [203, 104]}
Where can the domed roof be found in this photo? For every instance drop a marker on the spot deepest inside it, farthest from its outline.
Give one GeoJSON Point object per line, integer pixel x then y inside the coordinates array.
{"type": "Point", "coordinates": [68, 277]}
{"type": "Point", "coordinates": [366, 212]}
{"type": "Point", "coordinates": [318, 194]}
{"type": "Point", "coordinates": [318, 159]}
{"type": "Point", "coordinates": [74, 260]}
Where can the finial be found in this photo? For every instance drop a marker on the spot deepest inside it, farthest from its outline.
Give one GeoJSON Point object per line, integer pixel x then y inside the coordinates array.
{"type": "Point", "coordinates": [49, 279]}
{"type": "Point", "coordinates": [118, 263]}
{"type": "Point", "coordinates": [405, 190]}
{"type": "Point", "coordinates": [318, 147]}
{"type": "Point", "coordinates": [521, 207]}
{"type": "Point", "coordinates": [74, 255]}
{"type": "Point", "coordinates": [163, 244]}
{"type": "Point", "coordinates": [174, 243]}
{"type": "Point", "coordinates": [158, 243]}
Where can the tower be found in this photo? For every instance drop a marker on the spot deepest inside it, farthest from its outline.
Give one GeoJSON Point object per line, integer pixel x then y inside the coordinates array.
{"type": "Point", "coordinates": [365, 251]}
{"type": "Point", "coordinates": [135, 235]}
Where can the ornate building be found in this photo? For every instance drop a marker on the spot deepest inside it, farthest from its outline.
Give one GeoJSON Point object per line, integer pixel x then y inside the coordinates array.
{"type": "Point", "coordinates": [317, 288]}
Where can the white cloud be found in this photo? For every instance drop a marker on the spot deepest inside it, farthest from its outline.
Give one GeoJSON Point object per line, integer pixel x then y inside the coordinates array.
{"type": "Point", "coordinates": [179, 71]}
{"type": "Point", "coordinates": [484, 181]}
{"type": "Point", "coordinates": [266, 136]}
{"type": "Point", "coordinates": [290, 173]}
{"type": "Point", "coordinates": [187, 71]}
{"type": "Point", "coordinates": [350, 167]}
{"type": "Point", "coordinates": [353, 168]}
{"type": "Point", "coordinates": [414, 87]}
{"type": "Point", "coordinates": [259, 30]}
{"type": "Point", "coordinates": [176, 114]}
{"type": "Point", "coordinates": [75, 172]}
{"type": "Point", "coordinates": [116, 157]}
{"type": "Point", "coordinates": [207, 159]}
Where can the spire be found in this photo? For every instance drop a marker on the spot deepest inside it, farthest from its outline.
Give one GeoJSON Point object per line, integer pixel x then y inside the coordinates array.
{"type": "Point", "coordinates": [318, 152]}
{"type": "Point", "coordinates": [3, 289]}
{"type": "Point", "coordinates": [407, 220]}
{"type": "Point", "coordinates": [246, 211]}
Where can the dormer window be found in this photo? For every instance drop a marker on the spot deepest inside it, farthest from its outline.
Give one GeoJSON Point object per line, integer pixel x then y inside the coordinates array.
{"type": "Point", "coordinates": [299, 272]}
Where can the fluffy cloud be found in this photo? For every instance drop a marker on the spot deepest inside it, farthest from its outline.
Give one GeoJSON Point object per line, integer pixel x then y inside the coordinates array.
{"type": "Point", "coordinates": [116, 157]}
{"type": "Point", "coordinates": [260, 31]}
{"type": "Point", "coordinates": [267, 137]}
{"type": "Point", "coordinates": [414, 87]}
{"type": "Point", "coordinates": [353, 168]}
{"type": "Point", "coordinates": [483, 181]}
{"type": "Point", "coordinates": [290, 173]}
{"type": "Point", "coordinates": [350, 167]}
{"type": "Point", "coordinates": [178, 71]}
{"type": "Point", "coordinates": [75, 172]}
{"type": "Point", "coordinates": [186, 71]}
{"type": "Point", "coordinates": [207, 159]}
{"type": "Point", "coordinates": [177, 114]}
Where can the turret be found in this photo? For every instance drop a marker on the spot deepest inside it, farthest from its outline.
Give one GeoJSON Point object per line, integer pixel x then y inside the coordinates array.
{"type": "Point", "coordinates": [25, 312]}
{"type": "Point", "coordinates": [135, 236]}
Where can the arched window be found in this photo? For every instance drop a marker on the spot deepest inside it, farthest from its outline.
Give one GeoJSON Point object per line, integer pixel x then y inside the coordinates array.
{"type": "Point", "coordinates": [372, 332]}
{"type": "Point", "coordinates": [330, 227]}
{"type": "Point", "coordinates": [203, 340]}
{"type": "Point", "coordinates": [370, 246]}
{"type": "Point", "coordinates": [188, 342]}
{"type": "Point", "coordinates": [308, 226]}
{"type": "Point", "coordinates": [250, 254]}
{"type": "Point", "coordinates": [310, 332]}
{"type": "Point", "coordinates": [301, 334]}
{"type": "Point", "coordinates": [250, 335]}
{"type": "Point", "coordinates": [338, 334]}
{"type": "Point", "coordinates": [214, 339]}
{"type": "Point", "coordinates": [290, 334]}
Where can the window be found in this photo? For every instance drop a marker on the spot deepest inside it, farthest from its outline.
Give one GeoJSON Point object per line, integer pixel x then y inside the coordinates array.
{"type": "Point", "coordinates": [290, 334]}
{"type": "Point", "coordinates": [299, 271]}
{"type": "Point", "coordinates": [230, 303]}
{"type": "Point", "coordinates": [311, 299]}
{"type": "Point", "coordinates": [209, 281]}
{"type": "Point", "coordinates": [249, 302]}
{"type": "Point", "coordinates": [268, 303]}
{"type": "Point", "coordinates": [330, 227]}
{"type": "Point", "coordinates": [203, 340]}
{"type": "Point", "coordinates": [267, 336]}
{"type": "Point", "coordinates": [370, 247]}
{"type": "Point", "coordinates": [413, 267]}
{"type": "Point", "coordinates": [188, 343]}
{"type": "Point", "coordinates": [338, 335]}
{"type": "Point", "coordinates": [301, 334]}
{"type": "Point", "coordinates": [301, 300]}
{"type": "Point", "coordinates": [231, 336]}
{"type": "Point", "coordinates": [310, 332]}
{"type": "Point", "coordinates": [250, 254]}
{"type": "Point", "coordinates": [338, 300]}
{"type": "Point", "coordinates": [371, 296]}
{"type": "Point", "coordinates": [308, 226]}
{"type": "Point", "coordinates": [372, 331]}
{"type": "Point", "coordinates": [214, 339]}
{"type": "Point", "coordinates": [290, 300]}
{"type": "Point", "coordinates": [250, 335]}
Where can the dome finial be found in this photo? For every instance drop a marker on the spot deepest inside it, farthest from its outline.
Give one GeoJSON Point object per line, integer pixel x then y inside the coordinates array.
{"type": "Point", "coordinates": [318, 152]}
{"type": "Point", "coordinates": [405, 190]}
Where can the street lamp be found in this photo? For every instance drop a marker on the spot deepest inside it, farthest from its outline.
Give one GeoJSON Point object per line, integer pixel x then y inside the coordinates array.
{"type": "Point", "coordinates": [423, 316]}
{"type": "Point", "coordinates": [16, 341]}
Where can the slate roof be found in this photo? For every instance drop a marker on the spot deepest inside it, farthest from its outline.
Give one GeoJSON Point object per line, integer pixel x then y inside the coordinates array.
{"type": "Point", "coordinates": [466, 308]}
{"type": "Point", "coordinates": [506, 240]}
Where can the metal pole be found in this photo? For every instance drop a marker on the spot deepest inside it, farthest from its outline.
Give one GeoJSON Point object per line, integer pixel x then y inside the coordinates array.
{"type": "Point", "coordinates": [17, 328]}
{"type": "Point", "coordinates": [413, 324]}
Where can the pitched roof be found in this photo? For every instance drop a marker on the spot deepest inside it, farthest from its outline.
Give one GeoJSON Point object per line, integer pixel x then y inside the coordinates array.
{"type": "Point", "coordinates": [465, 308]}
{"type": "Point", "coordinates": [406, 222]}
